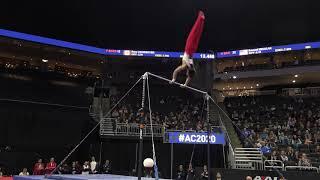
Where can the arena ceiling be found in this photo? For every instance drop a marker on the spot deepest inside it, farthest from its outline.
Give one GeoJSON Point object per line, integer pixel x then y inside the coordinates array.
{"type": "Point", "coordinates": [164, 25]}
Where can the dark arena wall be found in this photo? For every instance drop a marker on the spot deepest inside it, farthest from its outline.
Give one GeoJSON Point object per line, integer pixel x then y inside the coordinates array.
{"type": "Point", "coordinates": [123, 153]}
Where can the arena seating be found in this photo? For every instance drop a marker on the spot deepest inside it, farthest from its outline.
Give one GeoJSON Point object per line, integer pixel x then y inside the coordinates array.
{"type": "Point", "coordinates": [169, 109]}
{"type": "Point", "coordinates": [281, 123]}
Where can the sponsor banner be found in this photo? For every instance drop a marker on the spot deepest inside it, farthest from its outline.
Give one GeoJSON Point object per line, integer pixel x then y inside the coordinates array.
{"type": "Point", "coordinates": [232, 174]}
{"type": "Point", "coordinates": [195, 138]}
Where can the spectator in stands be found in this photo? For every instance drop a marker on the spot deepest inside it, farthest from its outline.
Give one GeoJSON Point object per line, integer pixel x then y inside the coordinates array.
{"type": "Point", "coordinates": [181, 174]}
{"type": "Point", "coordinates": [283, 139]}
{"type": "Point", "coordinates": [106, 169]}
{"type": "Point", "coordinates": [1, 172]}
{"type": "Point", "coordinates": [78, 167]}
{"type": "Point", "coordinates": [93, 165]}
{"type": "Point", "coordinates": [204, 174]}
{"type": "Point", "coordinates": [74, 168]}
{"type": "Point", "coordinates": [291, 122]}
{"type": "Point", "coordinates": [246, 132]}
{"type": "Point", "coordinates": [264, 148]}
{"type": "Point", "coordinates": [274, 156]}
{"type": "Point", "coordinates": [316, 137]}
{"type": "Point", "coordinates": [218, 176]}
{"type": "Point", "coordinates": [24, 172]}
{"type": "Point", "coordinates": [264, 134]}
{"type": "Point", "coordinates": [317, 151]}
{"type": "Point", "coordinates": [65, 169]}
{"type": "Point", "coordinates": [50, 166]}
{"type": "Point", "coordinates": [190, 174]}
{"type": "Point", "coordinates": [248, 178]}
{"type": "Point", "coordinates": [283, 157]}
{"type": "Point", "coordinates": [290, 154]}
{"type": "Point", "coordinates": [38, 168]}
{"type": "Point", "coordinates": [296, 157]}
{"type": "Point", "coordinates": [304, 161]}
{"type": "Point", "coordinates": [296, 141]}
{"type": "Point", "coordinates": [272, 139]}
{"type": "Point", "coordinates": [86, 168]}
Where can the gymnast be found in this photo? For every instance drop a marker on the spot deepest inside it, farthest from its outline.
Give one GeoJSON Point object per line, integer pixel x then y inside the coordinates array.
{"type": "Point", "coordinates": [190, 48]}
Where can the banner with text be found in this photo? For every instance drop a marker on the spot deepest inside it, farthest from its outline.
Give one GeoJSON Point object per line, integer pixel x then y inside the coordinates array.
{"type": "Point", "coordinates": [195, 138]}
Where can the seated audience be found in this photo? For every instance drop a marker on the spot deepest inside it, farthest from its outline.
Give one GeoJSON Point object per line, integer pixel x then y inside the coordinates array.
{"type": "Point", "coordinates": [86, 168]}
{"type": "Point", "coordinates": [181, 174]}
{"type": "Point", "coordinates": [38, 168]}
{"type": "Point", "coordinates": [24, 172]}
{"type": "Point", "coordinates": [106, 168]}
{"type": "Point", "coordinates": [204, 175]}
{"type": "Point", "coordinates": [304, 161]}
{"type": "Point", "coordinates": [50, 166]}
{"type": "Point", "coordinates": [190, 173]}
{"type": "Point", "coordinates": [283, 157]}
{"type": "Point", "coordinates": [93, 165]}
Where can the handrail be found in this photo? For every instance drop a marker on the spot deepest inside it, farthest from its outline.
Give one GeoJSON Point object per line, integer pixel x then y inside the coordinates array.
{"type": "Point", "coordinates": [274, 164]}
{"type": "Point", "coordinates": [302, 168]}
{"type": "Point", "coordinates": [174, 130]}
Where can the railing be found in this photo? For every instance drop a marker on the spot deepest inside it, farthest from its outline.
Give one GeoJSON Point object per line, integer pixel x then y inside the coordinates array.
{"type": "Point", "coordinates": [213, 129]}
{"type": "Point", "coordinates": [248, 158]}
{"type": "Point", "coordinates": [110, 127]}
{"type": "Point", "coordinates": [123, 129]}
{"type": "Point", "coordinates": [274, 164]}
{"type": "Point", "coordinates": [231, 160]}
{"type": "Point", "coordinates": [304, 168]}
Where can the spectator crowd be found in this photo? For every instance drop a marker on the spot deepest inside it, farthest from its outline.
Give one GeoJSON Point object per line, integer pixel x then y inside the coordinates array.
{"type": "Point", "coordinates": [284, 128]}
{"type": "Point", "coordinates": [171, 112]}
{"type": "Point", "coordinates": [88, 167]}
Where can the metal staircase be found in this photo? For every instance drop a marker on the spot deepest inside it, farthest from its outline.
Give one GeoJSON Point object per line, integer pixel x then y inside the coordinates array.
{"type": "Point", "coordinates": [107, 125]}
{"type": "Point", "coordinates": [248, 158]}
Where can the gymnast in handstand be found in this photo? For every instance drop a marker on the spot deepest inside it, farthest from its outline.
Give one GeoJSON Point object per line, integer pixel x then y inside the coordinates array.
{"type": "Point", "coordinates": [190, 48]}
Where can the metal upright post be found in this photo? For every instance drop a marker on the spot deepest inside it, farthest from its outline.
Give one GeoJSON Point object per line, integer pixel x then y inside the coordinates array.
{"type": "Point", "coordinates": [208, 134]}
{"type": "Point", "coordinates": [140, 154]}
{"type": "Point", "coordinates": [144, 77]}
{"type": "Point", "coordinates": [171, 159]}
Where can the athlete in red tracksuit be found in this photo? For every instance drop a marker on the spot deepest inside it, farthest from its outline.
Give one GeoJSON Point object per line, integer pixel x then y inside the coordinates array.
{"type": "Point", "coordinates": [50, 166]}
{"type": "Point", "coordinates": [190, 48]}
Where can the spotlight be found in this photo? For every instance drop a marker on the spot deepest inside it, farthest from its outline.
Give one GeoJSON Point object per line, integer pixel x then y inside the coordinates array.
{"type": "Point", "coordinates": [293, 81]}
{"type": "Point", "coordinates": [44, 60]}
{"type": "Point", "coordinates": [296, 75]}
{"type": "Point", "coordinates": [257, 85]}
{"type": "Point", "coordinates": [234, 77]}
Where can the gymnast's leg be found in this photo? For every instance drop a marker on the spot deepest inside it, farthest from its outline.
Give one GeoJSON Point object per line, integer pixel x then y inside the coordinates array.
{"type": "Point", "coordinates": [190, 74]}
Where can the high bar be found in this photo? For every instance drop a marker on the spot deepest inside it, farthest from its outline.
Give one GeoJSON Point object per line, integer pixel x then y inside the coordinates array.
{"type": "Point", "coordinates": [181, 85]}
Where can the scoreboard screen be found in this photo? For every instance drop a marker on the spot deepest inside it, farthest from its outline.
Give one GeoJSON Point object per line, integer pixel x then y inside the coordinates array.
{"type": "Point", "coordinates": [271, 49]}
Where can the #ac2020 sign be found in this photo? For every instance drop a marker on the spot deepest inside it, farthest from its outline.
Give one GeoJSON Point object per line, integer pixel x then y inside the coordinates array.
{"type": "Point", "coordinates": [195, 138]}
